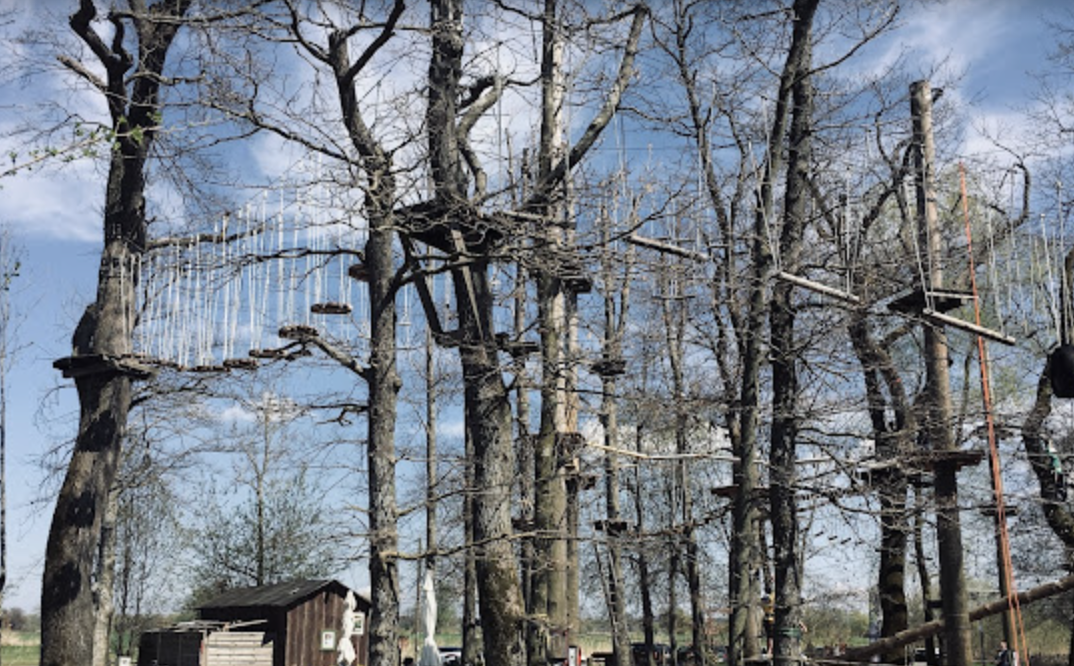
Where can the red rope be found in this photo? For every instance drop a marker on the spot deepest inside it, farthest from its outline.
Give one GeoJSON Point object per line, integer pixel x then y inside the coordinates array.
{"type": "Point", "coordinates": [993, 449]}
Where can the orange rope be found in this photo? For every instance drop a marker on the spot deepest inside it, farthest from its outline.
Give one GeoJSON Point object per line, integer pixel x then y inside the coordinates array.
{"type": "Point", "coordinates": [1021, 645]}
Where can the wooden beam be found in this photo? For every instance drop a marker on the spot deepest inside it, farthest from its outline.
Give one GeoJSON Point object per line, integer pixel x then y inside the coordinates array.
{"type": "Point", "coordinates": [818, 287]}
{"type": "Point", "coordinates": [948, 320]}
{"type": "Point", "coordinates": [667, 248]}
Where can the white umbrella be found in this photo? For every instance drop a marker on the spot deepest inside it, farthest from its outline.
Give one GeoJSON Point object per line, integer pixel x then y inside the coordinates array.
{"type": "Point", "coordinates": [430, 655]}
{"type": "Point", "coordinates": [345, 647]}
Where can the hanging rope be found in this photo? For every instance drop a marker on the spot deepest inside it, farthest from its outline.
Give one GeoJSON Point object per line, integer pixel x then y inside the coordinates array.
{"type": "Point", "coordinates": [1021, 646]}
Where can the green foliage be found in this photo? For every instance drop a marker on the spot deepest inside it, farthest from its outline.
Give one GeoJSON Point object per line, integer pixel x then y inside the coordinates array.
{"type": "Point", "coordinates": [298, 540]}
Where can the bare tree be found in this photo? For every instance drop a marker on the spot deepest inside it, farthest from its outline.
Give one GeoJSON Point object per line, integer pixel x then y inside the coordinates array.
{"type": "Point", "coordinates": [134, 71]}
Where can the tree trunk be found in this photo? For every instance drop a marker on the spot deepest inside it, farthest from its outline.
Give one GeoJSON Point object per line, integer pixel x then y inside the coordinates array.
{"type": "Point", "coordinates": [383, 386]}
{"type": "Point", "coordinates": [645, 577]}
{"type": "Point", "coordinates": [488, 424]}
{"type": "Point", "coordinates": [470, 636]}
{"type": "Point", "coordinates": [104, 581]}
{"type": "Point", "coordinates": [745, 510]}
{"type": "Point", "coordinates": [785, 418]}
{"type": "Point", "coordinates": [382, 375]}
{"type": "Point", "coordinates": [550, 499]}
{"type": "Point", "coordinates": [104, 333]}
{"type": "Point", "coordinates": [890, 483]}
{"type": "Point", "coordinates": [612, 357]}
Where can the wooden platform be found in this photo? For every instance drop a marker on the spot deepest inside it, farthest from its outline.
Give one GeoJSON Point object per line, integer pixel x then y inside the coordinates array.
{"type": "Point", "coordinates": [938, 300]}
{"type": "Point", "coordinates": [74, 367]}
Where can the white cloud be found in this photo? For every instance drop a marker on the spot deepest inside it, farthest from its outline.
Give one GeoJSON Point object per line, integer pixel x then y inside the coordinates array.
{"type": "Point", "coordinates": [64, 204]}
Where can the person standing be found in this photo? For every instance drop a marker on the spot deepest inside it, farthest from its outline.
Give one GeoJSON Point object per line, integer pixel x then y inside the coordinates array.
{"type": "Point", "coordinates": [1006, 656]}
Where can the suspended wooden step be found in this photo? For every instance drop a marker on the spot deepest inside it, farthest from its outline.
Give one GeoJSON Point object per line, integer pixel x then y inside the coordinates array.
{"type": "Point", "coordinates": [1008, 509]}
{"type": "Point", "coordinates": [731, 491]}
{"type": "Point", "coordinates": [610, 367]}
{"type": "Point", "coordinates": [937, 300]}
{"type": "Point", "coordinates": [612, 527]}
{"type": "Point", "coordinates": [74, 367]}
{"type": "Point", "coordinates": [358, 272]}
{"type": "Point", "coordinates": [267, 353]}
{"type": "Point", "coordinates": [811, 285]}
{"type": "Point", "coordinates": [515, 347]}
{"type": "Point", "coordinates": [948, 320]}
{"type": "Point", "coordinates": [240, 363]}
{"type": "Point", "coordinates": [207, 368]}
{"type": "Point", "coordinates": [297, 332]}
{"type": "Point", "coordinates": [331, 308]}
{"type": "Point", "coordinates": [577, 283]}
{"type": "Point", "coordinates": [1061, 371]}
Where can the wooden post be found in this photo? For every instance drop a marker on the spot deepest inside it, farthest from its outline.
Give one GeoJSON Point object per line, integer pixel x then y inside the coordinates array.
{"type": "Point", "coordinates": [958, 648]}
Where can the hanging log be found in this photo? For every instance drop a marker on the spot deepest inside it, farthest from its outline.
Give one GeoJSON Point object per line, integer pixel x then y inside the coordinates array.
{"type": "Point", "coordinates": [904, 638]}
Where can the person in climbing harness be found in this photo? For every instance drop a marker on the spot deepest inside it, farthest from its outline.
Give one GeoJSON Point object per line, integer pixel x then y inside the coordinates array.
{"type": "Point", "coordinates": [1006, 656]}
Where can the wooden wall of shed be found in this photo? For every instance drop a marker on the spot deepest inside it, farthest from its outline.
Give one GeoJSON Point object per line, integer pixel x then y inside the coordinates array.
{"type": "Point", "coordinates": [305, 623]}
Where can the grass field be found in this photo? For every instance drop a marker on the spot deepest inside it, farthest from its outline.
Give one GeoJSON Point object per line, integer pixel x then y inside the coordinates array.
{"type": "Point", "coordinates": [20, 649]}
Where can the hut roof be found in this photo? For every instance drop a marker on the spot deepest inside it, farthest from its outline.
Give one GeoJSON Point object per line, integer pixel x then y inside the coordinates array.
{"type": "Point", "coordinates": [279, 595]}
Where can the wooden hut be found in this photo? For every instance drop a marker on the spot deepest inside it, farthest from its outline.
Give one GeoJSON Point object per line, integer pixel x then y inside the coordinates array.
{"type": "Point", "coordinates": [297, 623]}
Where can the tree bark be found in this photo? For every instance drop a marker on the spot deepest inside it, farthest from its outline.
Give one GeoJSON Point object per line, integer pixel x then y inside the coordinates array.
{"type": "Point", "coordinates": [745, 555]}
{"type": "Point", "coordinates": [382, 374]}
{"type": "Point", "coordinates": [549, 604]}
{"type": "Point", "coordinates": [105, 329]}
{"type": "Point", "coordinates": [612, 356]}
{"type": "Point", "coordinates": [488, 424]}
{"type": "Point", "coordinates": [783, 509]}
{"type": "Point", "coordinates": [104, 581]}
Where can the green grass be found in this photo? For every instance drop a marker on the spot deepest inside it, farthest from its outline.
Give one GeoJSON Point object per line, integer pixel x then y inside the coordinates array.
{"type": "Point", "coordinates": [20, 655]}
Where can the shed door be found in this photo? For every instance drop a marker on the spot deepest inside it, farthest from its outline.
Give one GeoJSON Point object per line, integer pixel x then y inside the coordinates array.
{"type": "Point", "coordinates": [238, 648]}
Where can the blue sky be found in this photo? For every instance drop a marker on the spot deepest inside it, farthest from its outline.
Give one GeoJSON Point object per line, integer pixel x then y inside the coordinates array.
{"type": "Point", "coordinates": [55, 216]}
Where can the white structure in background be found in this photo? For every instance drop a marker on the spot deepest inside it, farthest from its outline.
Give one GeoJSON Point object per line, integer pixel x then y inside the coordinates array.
{"type": "Point", "coordinates": [430, 655]}
{"type": "Point", "coordinates": [346, 645]}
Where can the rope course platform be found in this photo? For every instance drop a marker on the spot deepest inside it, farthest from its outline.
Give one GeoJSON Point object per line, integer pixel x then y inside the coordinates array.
{"type": "Point", "coordinates": [610, 367]}
{"type": "Point", "coordinates": [934, 305]}
{"type": "Point", "coordinates": [937, 300]}
{"type": "Point", "coordinates": [74, 367]}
